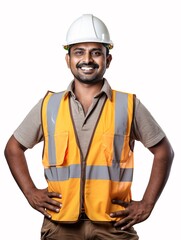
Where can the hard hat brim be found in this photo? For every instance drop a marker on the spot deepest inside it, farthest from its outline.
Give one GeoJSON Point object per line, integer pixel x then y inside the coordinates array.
{"type": "Point", "coordinates": [108, 45]}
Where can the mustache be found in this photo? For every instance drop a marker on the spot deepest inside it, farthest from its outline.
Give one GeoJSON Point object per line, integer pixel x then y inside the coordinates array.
{"type": "Point", "coordinates": [93, 65]}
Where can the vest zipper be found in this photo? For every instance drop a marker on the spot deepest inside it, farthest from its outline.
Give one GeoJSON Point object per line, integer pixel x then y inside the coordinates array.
{"type": "Point", "coordinates": [83, 161]}
{"type": "Point", "coordinates": [82, 180]}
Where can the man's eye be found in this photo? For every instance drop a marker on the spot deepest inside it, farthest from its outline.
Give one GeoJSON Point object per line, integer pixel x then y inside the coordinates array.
{"type": "Point", "coordinates": [96, 53]}
{"type": "Point", "coordinates": [78, 53]}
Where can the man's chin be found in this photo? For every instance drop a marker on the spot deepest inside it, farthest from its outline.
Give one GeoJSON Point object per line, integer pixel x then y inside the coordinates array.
{"type": "Point", "coordinates": [89, 81]}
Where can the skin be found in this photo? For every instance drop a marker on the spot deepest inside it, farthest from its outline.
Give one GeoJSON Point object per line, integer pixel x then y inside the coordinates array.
{"type": "Point", "coordinates": [88, 63]}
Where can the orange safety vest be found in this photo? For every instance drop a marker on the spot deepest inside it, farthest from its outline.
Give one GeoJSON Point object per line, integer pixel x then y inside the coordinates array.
{"type": "Point", "coordinates": [107, 171]}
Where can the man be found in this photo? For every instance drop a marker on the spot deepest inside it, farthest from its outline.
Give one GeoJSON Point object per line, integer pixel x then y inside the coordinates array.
{"type": "Point", "coordinates": [89, 132]}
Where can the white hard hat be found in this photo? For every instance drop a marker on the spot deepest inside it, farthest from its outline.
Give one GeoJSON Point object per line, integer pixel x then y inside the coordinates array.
{"type": "Point", "coordinates": [88, 28]}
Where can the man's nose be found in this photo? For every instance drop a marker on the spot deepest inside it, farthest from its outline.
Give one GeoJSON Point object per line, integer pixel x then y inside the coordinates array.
{"type": "Point", "coordinates": [88, 58]}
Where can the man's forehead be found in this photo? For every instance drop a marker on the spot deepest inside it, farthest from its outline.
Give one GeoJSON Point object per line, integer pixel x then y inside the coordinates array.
{"type": "Point", "coordinates": [88, 45]}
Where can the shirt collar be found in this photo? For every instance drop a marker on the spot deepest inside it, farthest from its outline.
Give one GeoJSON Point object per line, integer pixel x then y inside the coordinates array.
{"type": "Point", "coordinates": [106, 88]}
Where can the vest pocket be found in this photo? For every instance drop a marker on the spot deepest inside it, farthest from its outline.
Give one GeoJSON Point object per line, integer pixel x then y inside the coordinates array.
{"type": "Point", "coordinates": [115, 148]}
{"type": "Point", "coordinates": [55, 149]}
{"type": "Point", "coordinates": [61, 141]}
{"type": "Point", "coordinates": [107, 147]}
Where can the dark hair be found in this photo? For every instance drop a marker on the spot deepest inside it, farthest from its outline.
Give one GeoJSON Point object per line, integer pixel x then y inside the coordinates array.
{"type": "Point", "coordinates": [107, 48]}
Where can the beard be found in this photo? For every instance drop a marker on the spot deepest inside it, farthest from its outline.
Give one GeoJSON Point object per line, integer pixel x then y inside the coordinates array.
{"type": "Point", "coordinates": [88, 80]}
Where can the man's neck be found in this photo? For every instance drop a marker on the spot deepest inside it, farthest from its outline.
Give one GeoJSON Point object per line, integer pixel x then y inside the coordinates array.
{"type": "Point", "coordinates": [86, 92]}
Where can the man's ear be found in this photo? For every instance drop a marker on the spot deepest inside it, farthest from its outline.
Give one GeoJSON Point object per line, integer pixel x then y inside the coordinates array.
{"type": "Point", "coordinates": [67, 58]}
{"type": "Point", "coordinates": [108, 60]}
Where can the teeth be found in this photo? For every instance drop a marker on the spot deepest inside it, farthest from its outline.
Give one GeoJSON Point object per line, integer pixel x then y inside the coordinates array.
{"type": "Point", "coordinates": [86, 68]}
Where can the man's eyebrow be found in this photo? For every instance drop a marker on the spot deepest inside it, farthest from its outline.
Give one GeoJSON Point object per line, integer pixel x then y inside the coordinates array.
{"type": "Point", "coordinates": [78, 48]}
{"type": "Point", "coordinates": [96, 49]}
{"type": "Point", "coordinates": [92, 49]}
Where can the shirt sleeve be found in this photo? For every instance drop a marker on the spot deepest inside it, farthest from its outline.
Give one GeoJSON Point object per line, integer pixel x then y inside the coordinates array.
{"type": "Point", "coordinates": [145, 127]}
{"type": "Point", "coordinates": [29, 132]}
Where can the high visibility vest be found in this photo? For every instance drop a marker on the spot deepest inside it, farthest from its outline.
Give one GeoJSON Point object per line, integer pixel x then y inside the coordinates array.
{"type": "Point", "coordinates": [107, 171]}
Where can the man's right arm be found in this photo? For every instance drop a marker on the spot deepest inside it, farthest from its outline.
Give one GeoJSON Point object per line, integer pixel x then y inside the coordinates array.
{"type": "Point", "coordinates": [39, 199]}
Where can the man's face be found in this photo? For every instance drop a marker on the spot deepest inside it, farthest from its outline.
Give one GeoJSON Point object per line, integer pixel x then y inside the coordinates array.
{"type": "Point", "coordinates": [88, 62]}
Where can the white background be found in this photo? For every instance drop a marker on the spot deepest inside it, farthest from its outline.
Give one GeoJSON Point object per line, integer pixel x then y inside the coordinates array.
{"type": "Point", "coordinates": [146, 61]}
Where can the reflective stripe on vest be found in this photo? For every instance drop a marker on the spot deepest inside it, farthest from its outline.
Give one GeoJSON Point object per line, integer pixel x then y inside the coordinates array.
{"type": "Point", "coordinates": [92, 172]}
{"type": "Point", "coordinates": [52, 111]}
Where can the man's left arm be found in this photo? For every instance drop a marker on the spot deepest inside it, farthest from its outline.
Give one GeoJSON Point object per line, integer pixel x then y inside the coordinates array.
{"type": "Point", "coordinates": [138, 211]}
